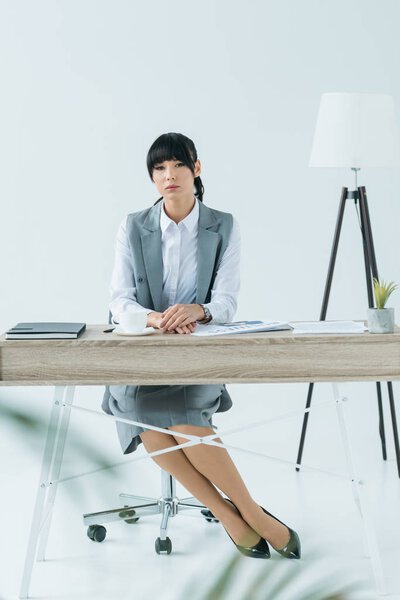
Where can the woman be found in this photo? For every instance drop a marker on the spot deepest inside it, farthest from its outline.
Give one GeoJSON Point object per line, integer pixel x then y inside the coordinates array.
{"type": "Point", "coordinates": [179, 262]}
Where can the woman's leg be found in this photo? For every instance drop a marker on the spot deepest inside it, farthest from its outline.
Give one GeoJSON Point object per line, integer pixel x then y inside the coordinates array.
{"type": "Point", "coordinates": [177, 464]}
{"type": "Point", "coordinates": [217, 466]}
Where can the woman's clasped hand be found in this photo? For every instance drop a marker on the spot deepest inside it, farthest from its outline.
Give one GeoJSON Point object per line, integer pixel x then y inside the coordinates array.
{"type": "Point", "coordinates": [178, 318]}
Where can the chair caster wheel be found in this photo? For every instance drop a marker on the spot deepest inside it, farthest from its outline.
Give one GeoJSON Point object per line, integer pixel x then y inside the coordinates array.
{"type": "Point", "coordinates": [163, 545]}
{"type": "Point", "coordinates": [97, 533]}
{"type": "Point", "coordinates": [208, 515]}
{"type": "Point", "coordinates": [129, 513]}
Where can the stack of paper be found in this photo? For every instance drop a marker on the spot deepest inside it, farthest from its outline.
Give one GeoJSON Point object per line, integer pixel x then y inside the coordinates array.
{"type": "Point", "coordinates": [240, 327]}
{"type": "Point", "coordinates": [328, 327]}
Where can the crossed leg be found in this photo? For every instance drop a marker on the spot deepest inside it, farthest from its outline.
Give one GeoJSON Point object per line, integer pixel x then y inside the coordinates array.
{"type": "Point", "coordinates": [203, 468]}
{"type": "Point", "coordinates": [178, 465]}
{"type": "Point", "coordinates": [217, 466]}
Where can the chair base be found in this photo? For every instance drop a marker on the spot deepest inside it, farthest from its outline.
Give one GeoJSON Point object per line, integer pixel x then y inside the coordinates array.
{"type": "Point", "coordinates": [168, 505]}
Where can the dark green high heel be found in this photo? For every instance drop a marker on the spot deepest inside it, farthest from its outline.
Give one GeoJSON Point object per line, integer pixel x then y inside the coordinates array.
{"type": "Point", "coordinates": [292, 548]}
{"type": "Point", "coordinates": [260, 550]}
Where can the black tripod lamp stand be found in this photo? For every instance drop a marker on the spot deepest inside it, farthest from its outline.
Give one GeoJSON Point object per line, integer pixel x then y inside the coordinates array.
{"type": "Point", "coordinates": [356, 130]}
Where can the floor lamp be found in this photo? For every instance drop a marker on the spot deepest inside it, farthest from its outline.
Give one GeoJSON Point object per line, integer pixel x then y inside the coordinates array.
{"type": "Point", "coordinates": [356, 131]}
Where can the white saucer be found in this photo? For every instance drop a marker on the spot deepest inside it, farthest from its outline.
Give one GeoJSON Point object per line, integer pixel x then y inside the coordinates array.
{"type": "Point", "coordinates": [146, 331]}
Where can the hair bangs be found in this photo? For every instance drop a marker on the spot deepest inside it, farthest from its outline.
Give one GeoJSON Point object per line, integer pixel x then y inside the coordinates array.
{"type": "Point", "coordinates": [170, 146]}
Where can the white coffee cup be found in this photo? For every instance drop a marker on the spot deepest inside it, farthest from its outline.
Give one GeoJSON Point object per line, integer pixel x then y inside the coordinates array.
{"type": "Point", "coordinates": [133, 322]}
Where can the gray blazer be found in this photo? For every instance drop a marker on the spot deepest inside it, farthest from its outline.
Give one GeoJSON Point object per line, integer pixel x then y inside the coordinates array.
{"type": "Point", "coordinates": [144, 237]}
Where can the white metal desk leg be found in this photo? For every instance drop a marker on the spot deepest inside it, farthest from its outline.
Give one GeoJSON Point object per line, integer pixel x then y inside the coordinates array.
{"type": "Point", "coordinates": [47, 462]}
{"type": "Point", "coordinates": [55, 472]}
{"type": "Point", "coordinates": [360, 497]}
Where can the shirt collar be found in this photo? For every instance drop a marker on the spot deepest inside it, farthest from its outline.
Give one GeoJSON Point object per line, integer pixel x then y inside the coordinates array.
{"type": "Point", "coordinates": [190, 221]}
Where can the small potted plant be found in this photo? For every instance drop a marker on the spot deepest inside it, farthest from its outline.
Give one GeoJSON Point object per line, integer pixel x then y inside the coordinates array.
{"type": "Point", "coordinates": [381, 319]}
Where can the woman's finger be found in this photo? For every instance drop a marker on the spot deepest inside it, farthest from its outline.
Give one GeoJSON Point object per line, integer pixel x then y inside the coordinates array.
{"type": "Point", "coordinates": [174, 320]}
{"type": "Point", "coordinates": [174, 323]}
{"type": "Point", "coordinates": [182, 330]}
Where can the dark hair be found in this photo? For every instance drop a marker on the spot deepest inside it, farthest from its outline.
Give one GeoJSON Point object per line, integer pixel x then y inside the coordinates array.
{"type": "Point", "coordinates": [174, 146]}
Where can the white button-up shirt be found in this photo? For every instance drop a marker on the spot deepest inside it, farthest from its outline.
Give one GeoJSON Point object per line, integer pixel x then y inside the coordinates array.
{"type": "Point", "coordinates": [179, 255]}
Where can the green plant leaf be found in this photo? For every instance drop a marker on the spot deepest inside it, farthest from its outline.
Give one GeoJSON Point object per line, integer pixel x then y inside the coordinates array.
{"type": "Point", "coordinates": [242, 578]}
{"type": "Point", "coordinates": [382, 291]}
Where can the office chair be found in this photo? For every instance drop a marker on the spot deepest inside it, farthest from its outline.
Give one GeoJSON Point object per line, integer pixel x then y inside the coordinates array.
{"type": "Point", "coordinates": [135, 507]}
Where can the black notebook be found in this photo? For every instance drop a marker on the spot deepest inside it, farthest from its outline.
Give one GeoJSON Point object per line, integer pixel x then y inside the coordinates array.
{"type": "Point", "coordinates": [41, 331]}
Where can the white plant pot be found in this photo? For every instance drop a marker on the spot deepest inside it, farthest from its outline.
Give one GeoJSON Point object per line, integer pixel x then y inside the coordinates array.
{"type": "Point", "coordinates": [381, 320]}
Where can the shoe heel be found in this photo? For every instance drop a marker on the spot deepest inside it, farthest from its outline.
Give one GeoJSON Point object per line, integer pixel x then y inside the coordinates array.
{"type": "Point", "coordinates": [260, 550]}
{"type": "Point", "coordinates": [293, 547]}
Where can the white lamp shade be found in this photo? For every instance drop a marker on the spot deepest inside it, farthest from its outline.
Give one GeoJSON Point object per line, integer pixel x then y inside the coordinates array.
{"type": "Point", "coordinates": [355, 131]}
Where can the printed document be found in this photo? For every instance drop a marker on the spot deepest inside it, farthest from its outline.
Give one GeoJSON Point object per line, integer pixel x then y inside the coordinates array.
{"type": "Point", "coordinates": [240, 327]}
{"type": "Point", "coordinates": [329, 327]}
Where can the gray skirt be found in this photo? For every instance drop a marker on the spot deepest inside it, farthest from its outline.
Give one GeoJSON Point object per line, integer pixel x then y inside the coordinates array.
{"type": "Point", "coordinates": [162, 406]}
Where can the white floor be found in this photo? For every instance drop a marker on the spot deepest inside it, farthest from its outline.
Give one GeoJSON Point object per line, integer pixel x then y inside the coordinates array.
{"type": "Point", "coordinates": [319, 506]}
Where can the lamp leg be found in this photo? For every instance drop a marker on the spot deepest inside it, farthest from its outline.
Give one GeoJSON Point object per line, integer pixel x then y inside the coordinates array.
{"type": "Point", "coordinates": [394, 423]}
{"type": "Point", "coordinates": [304, 427]}
{"type": "Point", "coordinates": [381, 421]}
{"type": "Point", "coordinates": [373, 269]}
{"type": "Point", "coordinates": [368, 229]}
{"type": "Point", "coordinates": [324, 309]}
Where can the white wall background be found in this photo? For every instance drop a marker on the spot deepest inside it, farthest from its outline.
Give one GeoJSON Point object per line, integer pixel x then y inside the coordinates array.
{"type": "Point", "coordinates": [86, 86]}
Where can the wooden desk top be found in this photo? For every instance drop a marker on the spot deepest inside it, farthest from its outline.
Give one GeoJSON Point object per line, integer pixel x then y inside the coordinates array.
{"type": "Point", "coordinates": [98, 358]}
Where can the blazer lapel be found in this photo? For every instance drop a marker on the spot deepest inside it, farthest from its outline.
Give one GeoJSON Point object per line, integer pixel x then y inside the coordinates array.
{"type": "Point", "coordinates": [207, 246]}
{"type": "Point", "coordinates": [152, 254]}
